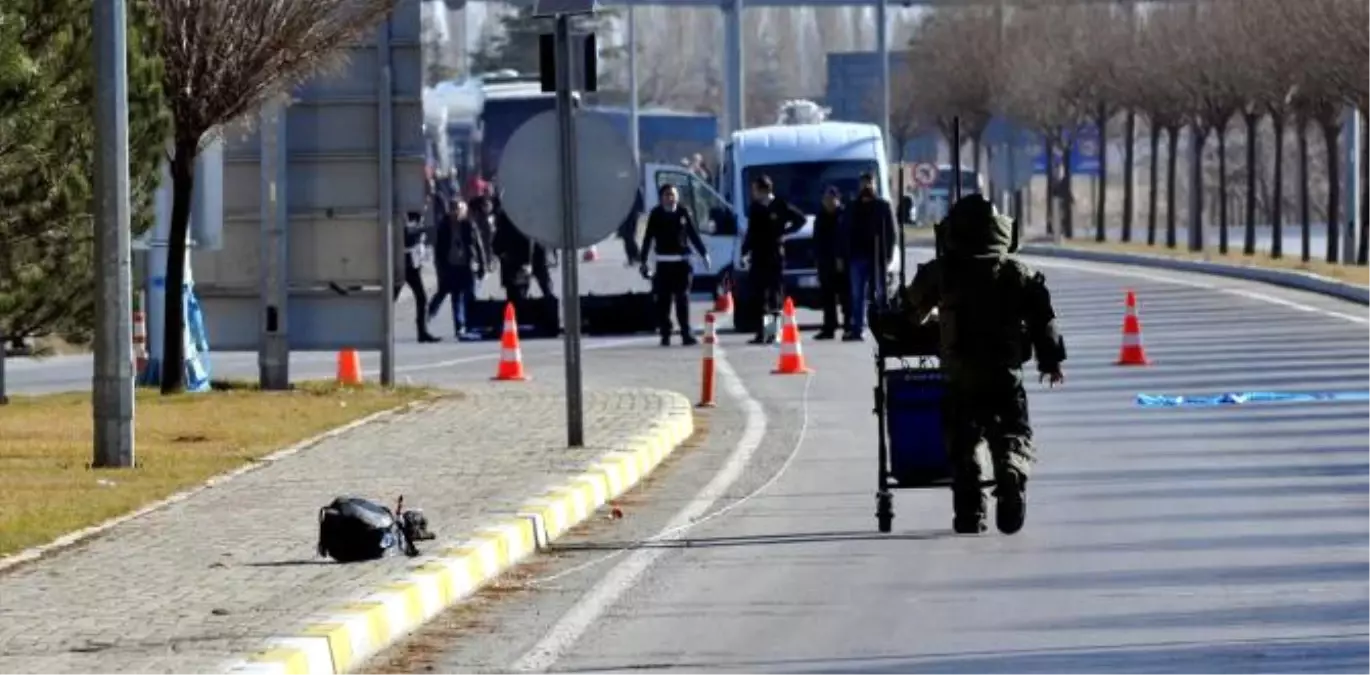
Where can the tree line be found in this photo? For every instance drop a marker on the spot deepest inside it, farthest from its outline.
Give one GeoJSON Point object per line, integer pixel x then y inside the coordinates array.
{"type": "Point", "coordinates": [194, 67]}
{"type": "Point", "coordinates": [1239, 79]}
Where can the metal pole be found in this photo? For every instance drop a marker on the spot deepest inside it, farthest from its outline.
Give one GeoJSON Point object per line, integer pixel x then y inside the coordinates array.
{"type": "Point", "coordinates": [633, 130]}
{"type": "Point", "coordinates": [570, 281]}
{"type": "Point", "coordinates": [1352, 197]}
{"type": "Point", "coordinates": [386, 150]}
{"type": "Point", "coordinates": [734, 74]}
{"type": "Point", "coordinates": [955, 160]}
{"type": "Point", "coordinates": [273, 351]}
{"type": "Point", "coordinates": [882, 46]}
{"type": "Point", "coordinates": [112, 386]}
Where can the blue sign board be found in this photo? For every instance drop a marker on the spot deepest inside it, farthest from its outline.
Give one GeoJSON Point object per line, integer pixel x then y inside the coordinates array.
{"type": "Point", "coordinates": [1085, 154]}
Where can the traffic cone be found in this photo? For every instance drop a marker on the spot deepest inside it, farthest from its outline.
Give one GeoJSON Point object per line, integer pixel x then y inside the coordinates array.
{"type": "Point", "coordinates": [349, 367]}
{"type": "Point", "coordinates": [724, 303]}
{"type": "Point", "coordinates": [1132, 353]}
{"type": "Point", "coordinates": [791, 355]}
{"type": "Point", "coordinates": [591, 254]}
{"type": "Point", "coordinates": [510, 356]}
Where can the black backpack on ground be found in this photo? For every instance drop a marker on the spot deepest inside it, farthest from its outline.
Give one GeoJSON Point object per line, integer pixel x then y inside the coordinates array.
{"type": "Point", "coordinates": [353, 529]}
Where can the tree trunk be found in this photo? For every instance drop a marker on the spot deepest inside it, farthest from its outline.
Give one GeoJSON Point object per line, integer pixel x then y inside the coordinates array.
{"type": "Point", "coordinates": [1253, 127]}
{"type": "Point", "coordinates": [1277, 203]}
{"type": "Point", "coordinates": [1331, 133]}
{"type": "Point", "coordinates": [1050, 149]}
{"type": "Point", "coordinates": [1155, 185]}
{"type": "Point", "coordinates": [1067, 196]}
{"type": "Point", "coordinates": [1129, 147]}
{"type": "Point", "coordinates": [1222, 188]}
{"type": "Point", "coordinates": [1198, 138]}
{"type": "Point", "coordinates": [1172, 152]}
{"type": "Point", "coordinates": [173, 337]}
{"type": "Point", "coordinates": [1305, 217]}
{"type": "Point", "coordinates": [1363, 246]}
{"type": "Point", "coordinates": [975, 149]}
{"type": "Point", "coordinates": [1101, 198]}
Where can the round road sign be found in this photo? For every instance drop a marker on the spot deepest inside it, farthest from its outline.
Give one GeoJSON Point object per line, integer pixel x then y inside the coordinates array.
{"type": "Point", "coordinates": [530, 177]}
{"type": "Point", "coordinates": [924, 174]}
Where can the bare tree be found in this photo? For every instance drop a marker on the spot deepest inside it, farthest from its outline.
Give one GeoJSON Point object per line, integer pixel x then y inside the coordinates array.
{"type": "Point", "coordinates": [1102, 56]}
{"type": "Point", "coordinates": [1216, 84]}
{"type": "Point", "coordinates": [954, 64]}
{"type": "Point", "coordinates": [1265, 22]}
{"type": "Point", "coordinates": [1161, 97]}
{"type": "Point", "coordinates": [223, 60]}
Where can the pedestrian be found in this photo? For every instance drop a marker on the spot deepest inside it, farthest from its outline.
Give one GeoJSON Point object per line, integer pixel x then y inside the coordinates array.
{"type": "Point", "coordinates": [834, 288]}
{"type": "Point", "coordinates": [994, 314]}
{"type": "Point", "coordinates": [482, 210]}
{"type": "Point", "coordinates": [871, 239]}
{"type": "Point", "coordinates": [543, 260]}
{"type": "Point", "coordinates": [672, 231]}
{"type": "Point", "coordinates": [769, 220]}
{"type": "Point", "coordinates": [460, 260]}
{"type": "Point", "coordinates": [515, 254]}
{"type": "Point", "coordinates": [414, 254]}
{"type": "Point", "coordinates": [627, 231]}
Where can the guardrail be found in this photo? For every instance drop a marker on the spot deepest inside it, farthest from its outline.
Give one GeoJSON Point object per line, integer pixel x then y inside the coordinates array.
{"type": "Point", "coordinates": [1304, 281]}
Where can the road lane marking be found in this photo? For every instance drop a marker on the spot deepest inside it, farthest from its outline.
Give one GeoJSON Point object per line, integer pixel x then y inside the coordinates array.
{"type": "Point", "coordinates": [623, 576]}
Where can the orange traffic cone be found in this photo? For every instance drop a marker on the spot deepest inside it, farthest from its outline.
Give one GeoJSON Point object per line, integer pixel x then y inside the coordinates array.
{"type": "Point", "coordinates": [706, 382]}
{"type": "Point", "coordinates": [349, 367]}
{"type": "Point", "coordinates": [724, 303]}
{"type": "Point", "coordinates": [510, 356]}
{"type": "Point", "coordinates": [591, 254]}
{"type": "Point", "coordinates": [791, 355]}
{"type": "Point", "coordinates": [1132, 353]}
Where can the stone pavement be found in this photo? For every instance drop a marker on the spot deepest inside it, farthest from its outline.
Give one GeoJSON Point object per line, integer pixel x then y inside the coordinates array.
{"type": "Point", "coordinates": [188, 587]}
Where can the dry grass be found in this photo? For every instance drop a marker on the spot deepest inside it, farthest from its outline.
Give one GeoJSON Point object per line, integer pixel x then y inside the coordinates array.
{"type": "Point", "coordinates": [1354, 274]}
{"type": "Point", "coordinates": [48, 489]}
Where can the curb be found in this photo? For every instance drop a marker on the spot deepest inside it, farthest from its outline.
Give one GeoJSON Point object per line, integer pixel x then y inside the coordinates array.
{"type": "Point", "coordinates": [36, 552]}
{"type": "Point", "coordinates": [1303, 281]}
{"type": "Point", "coordinates": [352, 632]}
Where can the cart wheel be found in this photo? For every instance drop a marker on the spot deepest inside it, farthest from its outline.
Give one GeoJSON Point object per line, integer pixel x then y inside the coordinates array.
{"type": "Point", "coordinates": [884, 511]}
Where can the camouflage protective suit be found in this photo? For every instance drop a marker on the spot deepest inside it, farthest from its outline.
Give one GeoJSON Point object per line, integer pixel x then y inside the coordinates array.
{"type": "Point", "coordinates": [994, 312]}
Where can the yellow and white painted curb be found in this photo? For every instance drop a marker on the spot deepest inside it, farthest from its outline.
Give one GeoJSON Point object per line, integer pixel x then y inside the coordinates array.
{"type": "Point", "coordinates": [350, 633]}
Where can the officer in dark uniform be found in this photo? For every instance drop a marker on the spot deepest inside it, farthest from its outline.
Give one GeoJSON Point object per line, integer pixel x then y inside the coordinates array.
{"type": "Point", "coordinates": [994, 313]}
{"type": "Point", "coordinates": [413, 275]}
{"type": "Point", "coordinates": [769, 220]}
{"type": "Point", "coordinates": [515, 253]}
{"type": "Point", "coordinates": [672, 229]}
{"type": "Point", "coordinates": [542, 262]}
{"type": "Point", "coordinates": [829, 232]}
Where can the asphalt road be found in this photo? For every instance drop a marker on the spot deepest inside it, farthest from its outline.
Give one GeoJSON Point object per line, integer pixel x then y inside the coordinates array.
{"type": "Point", "coordinates": [1159, 540]}
{"type": "Point", "coordinates": [1233, 539]}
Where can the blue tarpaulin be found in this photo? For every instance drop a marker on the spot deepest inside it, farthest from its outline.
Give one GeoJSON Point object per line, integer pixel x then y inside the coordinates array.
{"type": "Point", "coordinates": [1238, 398]}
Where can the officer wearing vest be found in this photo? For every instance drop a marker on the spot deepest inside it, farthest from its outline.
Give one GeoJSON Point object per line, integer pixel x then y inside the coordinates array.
{"type": "Point", "coordinates": [671, 228]}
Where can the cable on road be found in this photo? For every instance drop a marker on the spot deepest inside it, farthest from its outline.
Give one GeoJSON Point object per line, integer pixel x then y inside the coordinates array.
{"type": "Point", "coordinates": [673, 534]}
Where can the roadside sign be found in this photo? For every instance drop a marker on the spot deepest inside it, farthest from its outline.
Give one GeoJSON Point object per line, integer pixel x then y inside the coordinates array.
{"type": "Point", "coordinates": [924, 174]}
{"type": "Point", "coordinates": [531, 179]}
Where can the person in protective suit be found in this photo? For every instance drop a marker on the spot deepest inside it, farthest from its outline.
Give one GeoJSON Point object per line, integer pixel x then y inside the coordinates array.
{"type": "Point", "coordinates": [993, 314]}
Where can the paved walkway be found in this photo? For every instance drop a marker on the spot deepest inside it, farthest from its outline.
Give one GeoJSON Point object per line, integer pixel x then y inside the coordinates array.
{"type": "Point", "coordinates": [190, 586]}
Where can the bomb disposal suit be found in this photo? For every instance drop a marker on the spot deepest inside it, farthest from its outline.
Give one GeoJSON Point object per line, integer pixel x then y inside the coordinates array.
{"type": "Point", "coordinates": [993, 312]}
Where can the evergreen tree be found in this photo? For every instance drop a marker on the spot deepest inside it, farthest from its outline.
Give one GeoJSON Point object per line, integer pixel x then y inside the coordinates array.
{"type": "Point", "coordinates": [47, 148]}
{"type": "Point", "coordinates": [514, 42]}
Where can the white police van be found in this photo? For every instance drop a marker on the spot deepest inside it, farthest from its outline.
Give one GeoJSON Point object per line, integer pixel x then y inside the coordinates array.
{"type": "Point", "coordinates": [802, 160]}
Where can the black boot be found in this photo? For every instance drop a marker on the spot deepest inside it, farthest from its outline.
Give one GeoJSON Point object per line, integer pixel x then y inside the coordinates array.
{"type": "Point", "coordinates": [969, 508]}
{"type": "Point", "coordinates": [1011, 492]}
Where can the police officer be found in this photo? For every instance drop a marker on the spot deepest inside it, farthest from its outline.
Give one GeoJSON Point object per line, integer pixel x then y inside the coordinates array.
{"type": "Point", "coordinates": [829, 228]}
{"type": "Point", "coordinates": [413, 275]}
{"type": "Point", "coordinates": [671, 228]}
{"type": "Point", "coordinates": [994, 313]}
{"type": "Point", "coordinates": [769, 220]}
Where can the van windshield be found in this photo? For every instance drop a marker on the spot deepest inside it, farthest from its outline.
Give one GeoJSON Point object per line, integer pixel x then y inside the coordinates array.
{"type": "Point", "coordinates": [802, 183]}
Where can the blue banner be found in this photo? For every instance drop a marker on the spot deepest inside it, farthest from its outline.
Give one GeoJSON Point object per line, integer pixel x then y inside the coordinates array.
{"type": "Point", "coordinates": [1239, 398]}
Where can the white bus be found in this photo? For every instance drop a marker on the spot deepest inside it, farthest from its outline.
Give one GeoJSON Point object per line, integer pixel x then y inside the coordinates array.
{"type": "Point", "coordinates": [802, 160]}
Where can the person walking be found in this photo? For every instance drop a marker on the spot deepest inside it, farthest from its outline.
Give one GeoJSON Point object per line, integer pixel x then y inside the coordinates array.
{"type": "Point", "coordinates": [870, 250]}
{"type": "Point", "coordinates": [769, 220]}
{"type": "Point", "coordinates": [671, 231]}
{"type": "Point", "coordinates": [460, 260]}
{"type": "Point", "coordinates": [413, 274]}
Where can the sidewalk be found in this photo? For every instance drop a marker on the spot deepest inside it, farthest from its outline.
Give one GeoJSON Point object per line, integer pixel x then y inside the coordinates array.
{"type": "Point", "coordinates": [188, 587]}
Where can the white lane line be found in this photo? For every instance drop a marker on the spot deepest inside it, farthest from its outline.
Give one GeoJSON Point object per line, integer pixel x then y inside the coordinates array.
{"type": "Point", "coordinates": [1115, 271]}
{"type": "Point", "coordinates": [626, 574]}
